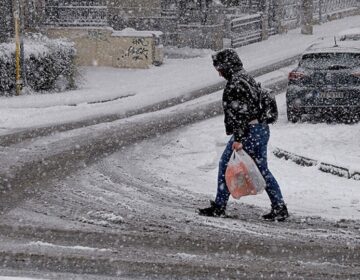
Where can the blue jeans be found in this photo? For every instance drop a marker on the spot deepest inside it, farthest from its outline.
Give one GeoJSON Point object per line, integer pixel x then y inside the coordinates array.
{"type": "Point", "coordinates": [255, 144]}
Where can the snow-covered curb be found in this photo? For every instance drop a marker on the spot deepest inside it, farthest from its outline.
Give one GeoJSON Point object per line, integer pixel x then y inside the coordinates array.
{"type": "Point", "coordinates": [322, 166]}
{"type": "Point", "coordinates": [275, 81]}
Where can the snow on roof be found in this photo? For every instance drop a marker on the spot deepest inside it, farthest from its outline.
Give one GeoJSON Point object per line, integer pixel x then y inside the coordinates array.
{"type": "Point", "coordinates": [351, 34]}
{"type": "Point", "coordinates": [328, 45]}
{"type": "Point", "coordinates": [350, 31]}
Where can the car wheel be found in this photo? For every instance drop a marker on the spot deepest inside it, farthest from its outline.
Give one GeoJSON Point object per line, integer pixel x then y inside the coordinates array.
{"type": "Point", "coordinates": [292, 116]}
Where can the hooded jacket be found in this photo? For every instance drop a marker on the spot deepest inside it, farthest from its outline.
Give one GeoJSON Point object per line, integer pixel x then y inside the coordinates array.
{"type": "Point", "coordinates": [240, 101]}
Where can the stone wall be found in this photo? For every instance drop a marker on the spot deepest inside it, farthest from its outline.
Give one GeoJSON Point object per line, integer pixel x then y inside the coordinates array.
{"type": "Point", "coordinates": [201, 36]}
{"type": "Point", "coordinates": [106, 47]}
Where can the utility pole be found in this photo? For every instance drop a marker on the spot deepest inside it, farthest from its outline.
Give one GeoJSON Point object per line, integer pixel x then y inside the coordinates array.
{"type": "Point", "coordinates": [19, 29]}
{"type": "Point", "coordinates": [307, 17]}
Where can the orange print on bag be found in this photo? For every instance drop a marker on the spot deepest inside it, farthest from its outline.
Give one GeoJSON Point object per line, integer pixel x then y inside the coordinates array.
{"type": "Point", "coordinates": [238, 180]}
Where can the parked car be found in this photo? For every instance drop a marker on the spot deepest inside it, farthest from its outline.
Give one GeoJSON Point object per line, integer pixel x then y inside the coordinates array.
{"type": "Point", "coordinates": [326, 83]}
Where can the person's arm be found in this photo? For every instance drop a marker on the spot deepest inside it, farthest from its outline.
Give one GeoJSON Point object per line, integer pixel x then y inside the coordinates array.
{"type": "Point", "coordinates": [239, 110]}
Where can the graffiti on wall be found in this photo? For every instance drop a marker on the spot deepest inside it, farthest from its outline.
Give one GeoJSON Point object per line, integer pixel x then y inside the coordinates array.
{"type": "Point", "coordinates": [139, 49]}
{"type": "Point", "coordinates": [134, 52]}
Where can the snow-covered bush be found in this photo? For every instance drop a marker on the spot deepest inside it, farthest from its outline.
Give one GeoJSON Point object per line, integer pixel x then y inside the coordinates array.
{"type": "Point", "coordinates": [49, 64]}
{"type": "Point", "coordinates": [7, 69]}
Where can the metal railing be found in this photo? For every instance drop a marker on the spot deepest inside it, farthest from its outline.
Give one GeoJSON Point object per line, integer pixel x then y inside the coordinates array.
{"type": "Point", "coordinates": [291, 10]}
{"type": "Point", "coordinates": [287, 15]}
{"type": "Point", "coordinates": [245, 30]}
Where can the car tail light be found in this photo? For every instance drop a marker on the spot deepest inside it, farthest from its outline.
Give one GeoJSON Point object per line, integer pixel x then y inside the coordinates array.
{"type": "Point", "coordinates": [295, 75]}
{"type": "Point", "coordinates": [356, 74]}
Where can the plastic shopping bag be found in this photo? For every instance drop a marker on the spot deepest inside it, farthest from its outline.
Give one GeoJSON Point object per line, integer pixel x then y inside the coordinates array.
{"type": "Point", "coordinates": [243, 176]}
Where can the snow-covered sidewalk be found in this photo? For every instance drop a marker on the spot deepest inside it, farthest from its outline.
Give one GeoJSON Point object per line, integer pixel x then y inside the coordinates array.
{"type": "Point", "coordinates": [188, 158]}
{"type": "Point", "coordinates": [105, 91]}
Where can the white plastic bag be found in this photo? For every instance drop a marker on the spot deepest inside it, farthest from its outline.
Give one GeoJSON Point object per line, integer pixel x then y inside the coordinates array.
{"type": "Point", "coordinates": [243, 176]}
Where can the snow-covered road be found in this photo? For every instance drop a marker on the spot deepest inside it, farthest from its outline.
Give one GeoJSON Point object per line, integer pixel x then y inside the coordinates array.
{"type": "Point", "coordinates": [132, 214]}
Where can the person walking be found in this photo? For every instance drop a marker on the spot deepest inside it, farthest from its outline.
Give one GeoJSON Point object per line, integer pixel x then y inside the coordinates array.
{"type": "Point", "coordinates": [248, 131]}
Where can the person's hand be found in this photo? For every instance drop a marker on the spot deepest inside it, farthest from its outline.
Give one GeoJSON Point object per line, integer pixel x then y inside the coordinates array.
{"type": "Point", "coordinates": [237, 146]}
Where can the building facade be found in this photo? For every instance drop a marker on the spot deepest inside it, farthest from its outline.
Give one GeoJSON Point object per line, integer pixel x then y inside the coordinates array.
{"type": "Point", "coordinates": [177, 19]}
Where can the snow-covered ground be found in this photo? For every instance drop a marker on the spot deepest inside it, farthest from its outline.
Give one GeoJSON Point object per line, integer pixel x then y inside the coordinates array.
{"type": "Point", "coordinates": [132, 89]}
{"type": "Point", "coordinates": [189, 159]}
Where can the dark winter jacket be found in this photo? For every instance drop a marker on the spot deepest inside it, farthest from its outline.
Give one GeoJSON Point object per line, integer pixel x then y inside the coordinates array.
{"type": "Point", "coordinates": [240, 101]}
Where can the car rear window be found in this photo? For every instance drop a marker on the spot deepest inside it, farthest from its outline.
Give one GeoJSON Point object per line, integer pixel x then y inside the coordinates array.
{"type": "Point", "coordinates": [330, 60]}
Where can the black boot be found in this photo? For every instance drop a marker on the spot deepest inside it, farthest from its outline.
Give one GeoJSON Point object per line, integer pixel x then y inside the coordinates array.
{"type": "Point", "coordinates": [212, 211]}
{"type": "Point", "coordinates": [277, 213]}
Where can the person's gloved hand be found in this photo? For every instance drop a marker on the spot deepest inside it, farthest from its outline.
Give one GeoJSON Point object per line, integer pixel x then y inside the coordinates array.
{"type": "Point", "coordinates": [237, 146]}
